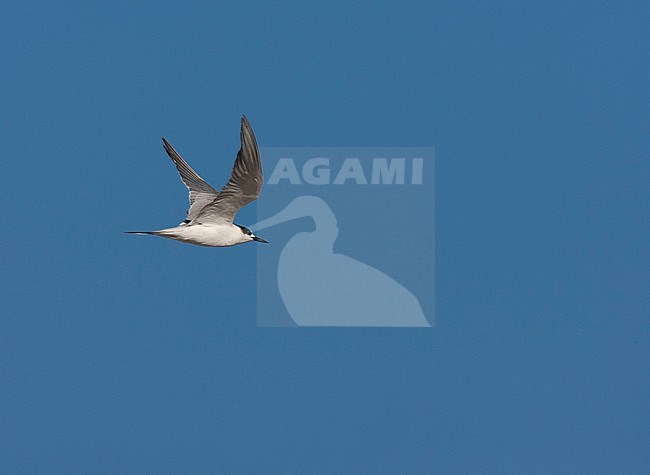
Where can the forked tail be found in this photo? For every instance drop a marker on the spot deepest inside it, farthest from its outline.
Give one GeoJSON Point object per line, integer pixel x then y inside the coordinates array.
{"type": "Point", "coordinates": [153, 233]}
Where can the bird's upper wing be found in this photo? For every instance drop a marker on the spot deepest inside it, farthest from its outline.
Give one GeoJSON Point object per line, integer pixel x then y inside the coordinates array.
{"type": "Point", "coordinates": [244, 185]}
{"type": "Point", "coordinates": [201, 193]}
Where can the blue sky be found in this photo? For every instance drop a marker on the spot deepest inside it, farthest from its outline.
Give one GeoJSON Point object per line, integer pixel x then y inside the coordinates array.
{"type": "Point", "coordinates": [125, 354]}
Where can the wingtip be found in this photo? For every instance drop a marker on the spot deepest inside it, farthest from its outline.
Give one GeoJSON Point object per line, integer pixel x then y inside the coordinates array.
{"type": "Point", "coordinates": [167, 146]}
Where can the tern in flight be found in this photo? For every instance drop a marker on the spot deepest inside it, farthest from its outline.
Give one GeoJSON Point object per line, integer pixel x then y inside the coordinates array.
{"type": "Point", "coordinates": [209, 220]}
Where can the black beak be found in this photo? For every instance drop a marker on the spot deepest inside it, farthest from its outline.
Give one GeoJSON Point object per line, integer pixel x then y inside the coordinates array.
{"type": "Point", "coordinates": [259, 239]}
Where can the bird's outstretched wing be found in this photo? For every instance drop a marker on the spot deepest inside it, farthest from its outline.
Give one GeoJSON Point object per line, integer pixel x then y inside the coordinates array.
{"type": "Point", "coordinates": [244, 185]}
{"type": "Point", "coordinates": [201, 193]}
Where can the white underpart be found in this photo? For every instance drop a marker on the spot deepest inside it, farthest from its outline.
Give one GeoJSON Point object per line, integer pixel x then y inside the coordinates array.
{"type": "Point", "coordinates": [212, 235]}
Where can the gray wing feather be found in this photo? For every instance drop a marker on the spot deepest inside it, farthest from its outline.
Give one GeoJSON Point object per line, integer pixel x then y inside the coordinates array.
{"type": "Point", "coordinates": [244, 185]}
{"type": "Point", "coordinates": [201, 193]}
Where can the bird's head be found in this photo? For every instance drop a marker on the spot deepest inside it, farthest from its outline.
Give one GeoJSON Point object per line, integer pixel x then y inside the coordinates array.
{"type": "Point", "coordinates": [249, 236]}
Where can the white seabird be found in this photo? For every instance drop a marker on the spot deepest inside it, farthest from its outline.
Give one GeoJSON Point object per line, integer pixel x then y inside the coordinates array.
{"type": "Point", "coordinates": [209, 220]}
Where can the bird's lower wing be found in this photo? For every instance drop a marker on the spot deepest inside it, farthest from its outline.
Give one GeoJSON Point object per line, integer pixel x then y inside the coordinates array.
{"type": "Point", "coordinates": [201, 193]}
